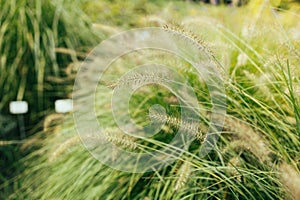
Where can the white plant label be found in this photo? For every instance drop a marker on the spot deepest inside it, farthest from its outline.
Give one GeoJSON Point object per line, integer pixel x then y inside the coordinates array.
{"type": "Point", "coordinates": [63, 105]}
{"type": "Point", "coordinates": [18, 107]}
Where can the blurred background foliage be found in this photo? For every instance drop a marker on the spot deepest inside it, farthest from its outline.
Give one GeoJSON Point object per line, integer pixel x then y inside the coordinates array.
{"type": "Point", "coordinates": [38, 40]}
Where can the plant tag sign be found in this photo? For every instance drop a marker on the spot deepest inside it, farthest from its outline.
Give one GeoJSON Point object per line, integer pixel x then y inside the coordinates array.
{"type": "Point", "coordinates": [63, 105]}
{"type": "Point", "coordinates": [18, 107]}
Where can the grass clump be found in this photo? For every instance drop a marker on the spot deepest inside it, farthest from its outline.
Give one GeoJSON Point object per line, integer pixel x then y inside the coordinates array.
{"type": "Point", "coordinates": [38, 40]}
{"type": "Point", "coordinates": [257, 156]}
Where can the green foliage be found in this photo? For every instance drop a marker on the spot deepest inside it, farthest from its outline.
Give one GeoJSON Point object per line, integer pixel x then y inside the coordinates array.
{"type": "Point", "coordinates": [38, 40]}
{"type": "Point", "coordinates": [121, 13]}
{"type": "Point", "coordinates": [258, 152]}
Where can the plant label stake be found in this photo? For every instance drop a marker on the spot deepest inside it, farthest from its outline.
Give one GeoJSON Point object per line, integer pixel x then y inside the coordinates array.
{"type": "Point", "coordinates": [63, 105]}
{"type": "Point", "coordinates": [19, 108]}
